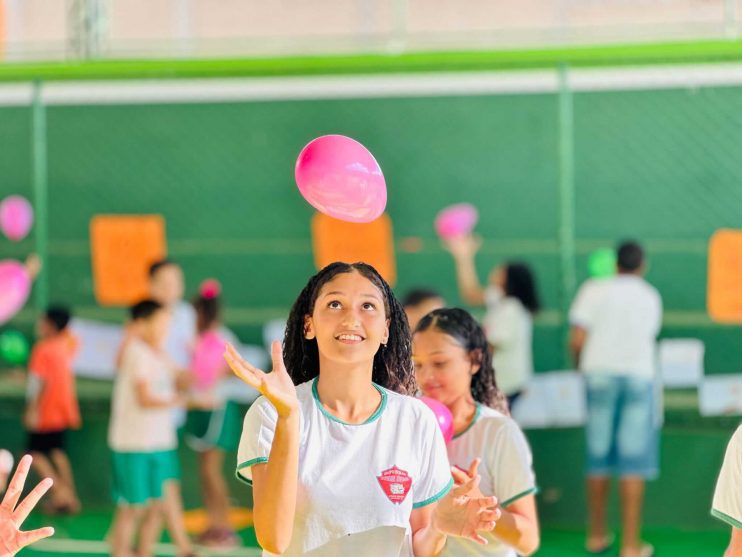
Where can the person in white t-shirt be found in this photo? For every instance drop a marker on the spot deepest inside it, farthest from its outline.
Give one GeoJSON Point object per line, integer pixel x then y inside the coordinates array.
{"type": "Point", "coordinates": [614, 326]}
{"type": "Point", "coordinates": [342, 462]}
{"type": "Point", "coordinates": [511, 299]}
{"type": "Point", "coordinates": [453, 365]}
{"type": "Point", "coordinates": [727, 504]}
{"type": "Point", "coordinates": [167, 286]}
{"type": "Point", "coordinates": [142, 436]}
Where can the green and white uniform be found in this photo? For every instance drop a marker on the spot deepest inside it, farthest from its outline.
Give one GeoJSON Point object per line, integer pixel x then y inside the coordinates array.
{"type": "Point", "coordinates": [505, 470]}
{"type": "Point", "coordinates": [358, 484]}
{"type": "Point", "coordinates": [727, 505]}
{"type": "Point", "coordinates": [143, 440]}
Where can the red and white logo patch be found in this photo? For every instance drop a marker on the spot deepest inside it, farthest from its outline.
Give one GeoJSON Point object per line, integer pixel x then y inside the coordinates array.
{"type": "Point", "coordinates": [396, 484]}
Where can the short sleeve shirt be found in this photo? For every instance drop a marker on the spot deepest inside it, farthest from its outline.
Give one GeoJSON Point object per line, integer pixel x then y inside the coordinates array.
{"type": "Point", "coordinates": [133, 428]}
{"type": "Point", "coordinates": [506, 472]}
{"type": "Point", "coordinates": [622, 316]}
{"type": "Point", "coordinates": [51, 364]}
{"type": "Point", "coordinates": [358, 483]}
{"type": "Point", "coordinates": [727, 505]}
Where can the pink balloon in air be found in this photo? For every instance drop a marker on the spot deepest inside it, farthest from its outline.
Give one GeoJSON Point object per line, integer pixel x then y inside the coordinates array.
{"type": "Point", "coordinates": [456, 221]}
{"type": "Point", "coordinates": [16, 217]}
{"type": "Point", "coordinates": [442, 415]}
{"type": "Point", "coordinates": [15, 285]}
{"type": "Point", "coordinates": [340, 178]}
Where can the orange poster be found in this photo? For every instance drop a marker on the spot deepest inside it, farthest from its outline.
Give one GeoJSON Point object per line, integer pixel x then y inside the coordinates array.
{"type": "Point", "coordinates": [123, 247]}
{"type": "Point", "coordinates": [372, 243]}
{"type": "Point", "coordinates": [724, 297]}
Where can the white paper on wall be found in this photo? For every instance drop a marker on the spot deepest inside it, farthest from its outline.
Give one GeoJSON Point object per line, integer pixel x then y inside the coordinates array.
{"type": "Point", "coordinates": [98, 345]}
{"type": "Point", "coordinates": [552, 399]}
{"type": "Point", "coordinates": [681, 362]}
{"type": "Point", "coordinates": [720, 395]}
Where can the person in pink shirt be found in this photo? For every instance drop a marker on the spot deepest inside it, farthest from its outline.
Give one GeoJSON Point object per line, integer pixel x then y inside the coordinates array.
{"type": "Point", "coordinates": [213, 424]}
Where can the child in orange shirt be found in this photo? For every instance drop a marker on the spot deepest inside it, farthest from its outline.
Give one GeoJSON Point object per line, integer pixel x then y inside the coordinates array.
{"type": "Point", "coordinates": [52, 406]}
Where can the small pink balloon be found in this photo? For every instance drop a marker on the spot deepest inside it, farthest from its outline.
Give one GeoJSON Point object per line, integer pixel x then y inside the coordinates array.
{"type": "Point", "coordinates": [456, 221]}
{"type": "Point", "coordinates": [208, 359]}
{"type": "Point", "coordinates": [442, 415]}
{"type": "Point", "coordinates": [340, 178]}
{"type": "Point", "coordinates": [15, 285]}
{"type": "Point", "coordinates": [16, 217]}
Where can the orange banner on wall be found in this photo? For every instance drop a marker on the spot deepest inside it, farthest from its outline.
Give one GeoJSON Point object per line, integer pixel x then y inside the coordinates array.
{"type": "Point", "coordinates": [123, 247]}
{"type": "Point", "coordinates": [724, 294]}
{"type": "Point", "coordinates": [373, 243]}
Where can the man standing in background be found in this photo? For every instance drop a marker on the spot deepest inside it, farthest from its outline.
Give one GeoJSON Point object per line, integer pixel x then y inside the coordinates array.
{"type": "Point", "coordinates": [614, 327]}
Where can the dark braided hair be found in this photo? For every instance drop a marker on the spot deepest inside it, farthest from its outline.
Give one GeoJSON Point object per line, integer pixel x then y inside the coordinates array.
{"type": "Point", "coordinates": [464, 329]}
{"type": "Point", "coordinates": [392, 367]}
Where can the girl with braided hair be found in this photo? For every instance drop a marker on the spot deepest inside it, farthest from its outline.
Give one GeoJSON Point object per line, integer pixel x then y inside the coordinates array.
{"type": "Point", "coordinates": [453, 365]}
{"type": "Point", "coordinates": [342, 461]}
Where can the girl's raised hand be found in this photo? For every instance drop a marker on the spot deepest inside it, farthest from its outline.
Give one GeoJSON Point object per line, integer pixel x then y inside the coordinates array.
{"type": "Point", "coordinates": [12, 513]}
{"type": "Point", "coordinates": [276, 386]}
{"type": "Point", "coordinates": [465, 512]}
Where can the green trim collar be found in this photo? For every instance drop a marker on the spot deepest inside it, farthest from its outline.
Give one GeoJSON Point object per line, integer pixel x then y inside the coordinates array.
{"type": "Point", "coordinates": [726, 518]}
{"type": "Point", "coordinates": [372, 418]}
{"type": "Point", "coordinates": [435, 497]}
{"type": "Point", "coordinates": [477, 412]}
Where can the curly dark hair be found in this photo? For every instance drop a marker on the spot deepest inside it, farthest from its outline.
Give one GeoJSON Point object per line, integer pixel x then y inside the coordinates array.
{"type": "Point", "coordinates": [464, 329]}
{"type": "Point", "coordinates": [392, 367]}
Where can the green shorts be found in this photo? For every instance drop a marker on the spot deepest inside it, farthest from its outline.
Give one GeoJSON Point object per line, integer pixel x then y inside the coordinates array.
{"type": "Point", "coordinates": [214, 429]}
{"type": "Point", "coordinates": [139, 477]}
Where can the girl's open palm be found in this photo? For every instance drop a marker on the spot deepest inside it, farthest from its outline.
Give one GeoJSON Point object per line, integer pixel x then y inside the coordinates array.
{"type": "Point", "coordinates": [276, 386]}
{"type": "Point", "coordinates": [12, 514]}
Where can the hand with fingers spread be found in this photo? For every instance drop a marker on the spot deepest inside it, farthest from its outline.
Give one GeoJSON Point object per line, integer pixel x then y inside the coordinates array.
{"type": "Point", "coordinates": [464, 511]}
{"type": "Point", "coordinates": [276, 386]}
{"type": "Point", "coordinates": [12, 539]}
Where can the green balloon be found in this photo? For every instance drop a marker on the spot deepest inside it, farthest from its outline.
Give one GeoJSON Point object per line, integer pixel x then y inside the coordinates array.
{"type": "Point", "coordinates": [13, 348]}
{"type": "Point", "coordinates": [602, 263]}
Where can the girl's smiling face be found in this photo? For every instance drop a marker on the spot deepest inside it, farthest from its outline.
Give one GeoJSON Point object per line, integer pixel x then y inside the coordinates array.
{"type": "Point", "coordinates": [348, 320]}
{"type": "Point", "coordinates": [443, 367]}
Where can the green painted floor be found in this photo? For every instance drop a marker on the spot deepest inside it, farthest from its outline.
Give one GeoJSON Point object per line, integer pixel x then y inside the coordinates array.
{"type": "Point", "coordinates": [83, 535]}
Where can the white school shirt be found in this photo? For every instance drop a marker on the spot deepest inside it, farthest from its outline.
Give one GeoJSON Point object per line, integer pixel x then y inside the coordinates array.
{"type": "Point", "coordinates": [727, 505]}
{"type": "Point", "coordinates": [509, 327]}
{"type": "Point", "coordinates": [358, 484]}
{"type": "Point", "coordinates": [622, 316]}
{"type": "Point", "coordinates": [506, 471]}
{"type": "Point", "coordinates": [133, 428]}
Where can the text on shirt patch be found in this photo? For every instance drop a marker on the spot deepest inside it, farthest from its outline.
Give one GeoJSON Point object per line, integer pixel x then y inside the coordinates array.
{"type": "Point", "coordinates": [396, 484]}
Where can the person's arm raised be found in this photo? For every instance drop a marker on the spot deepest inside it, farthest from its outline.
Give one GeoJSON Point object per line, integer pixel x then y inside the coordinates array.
{"type": "Point", "coordinates": [463, 251]}
{"type": "Point", "coordinates": [274, 482]}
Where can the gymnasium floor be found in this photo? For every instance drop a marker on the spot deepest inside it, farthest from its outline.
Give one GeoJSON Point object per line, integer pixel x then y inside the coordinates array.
{"type": "Point", "coordinates": [82, 535]}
